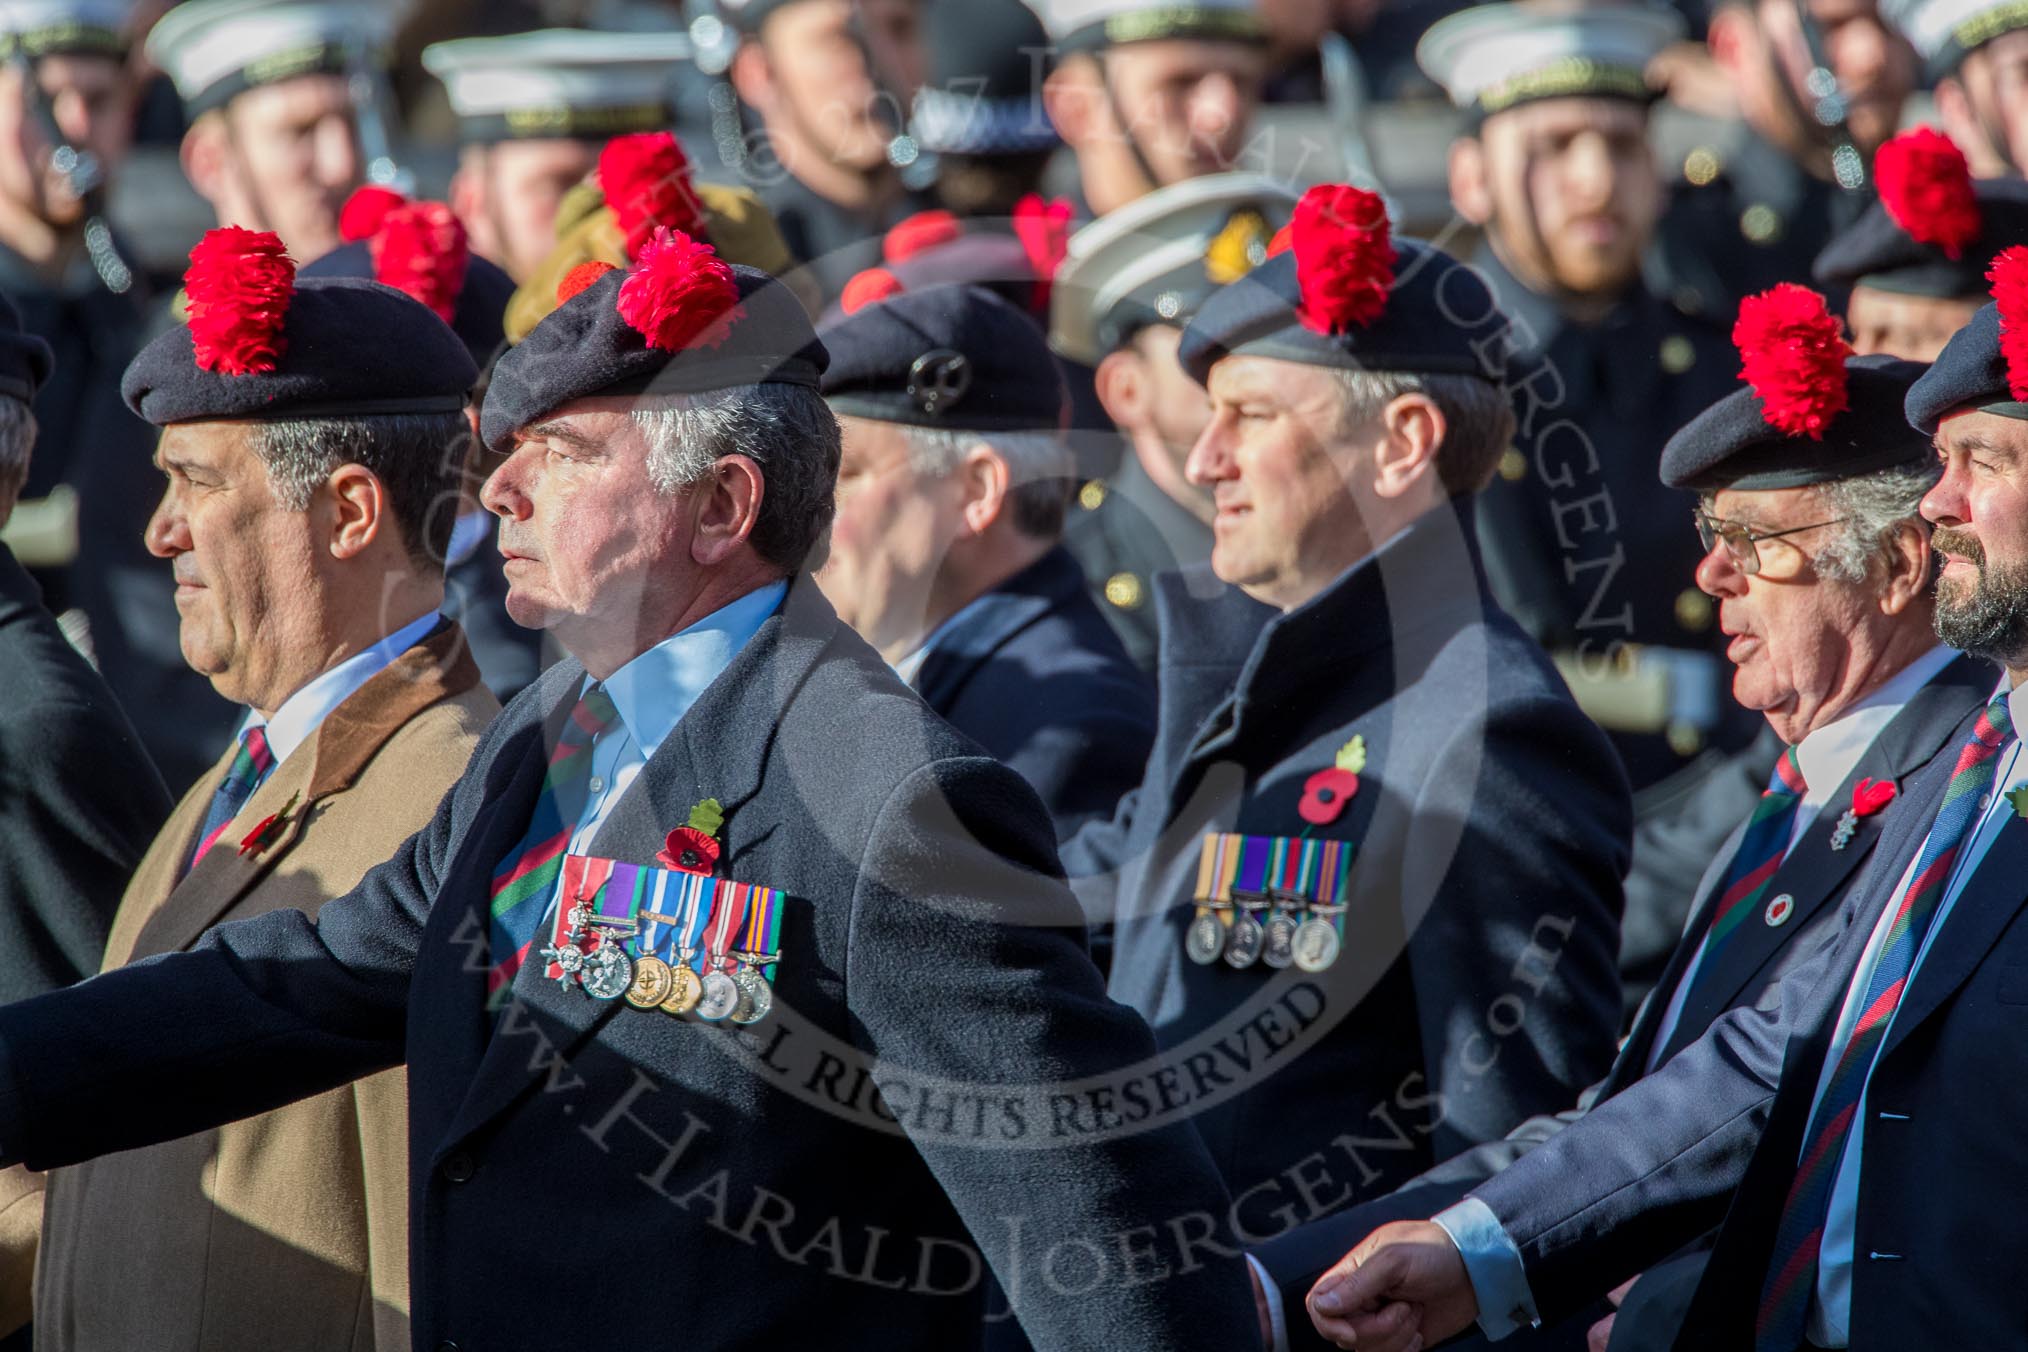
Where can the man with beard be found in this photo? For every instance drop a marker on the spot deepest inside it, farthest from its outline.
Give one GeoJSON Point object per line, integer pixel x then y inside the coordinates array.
{"type": "Point", "coordinates": [1915, 263]}
{"type": "Point", "coordinates": [1859, 1132]}
{"type": "Point", "coordinates": [1818, 86]}
{"type": "Point", "coordinates": [1129, 283]}
{"type": "Point", "coordinates": [274, 139]}
{"type": "Point", "coordinates": [1556, 167]}
{"type": "Point", "coordinates": [1148, 93]}
{"type": "Point", "coordinates": [1975, 52]}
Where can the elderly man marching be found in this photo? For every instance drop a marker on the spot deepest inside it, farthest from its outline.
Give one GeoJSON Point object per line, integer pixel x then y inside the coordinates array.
{"type": "Point", "coordinates": [735, 988]}
{"type": "Point", "coordinates": [310, 431]}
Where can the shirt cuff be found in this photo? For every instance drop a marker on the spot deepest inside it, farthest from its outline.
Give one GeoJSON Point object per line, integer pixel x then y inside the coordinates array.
{"type": "Point", "coordinates": [1493, 1263]}
{"type": "Point", "coordinates": [1277, 1320]}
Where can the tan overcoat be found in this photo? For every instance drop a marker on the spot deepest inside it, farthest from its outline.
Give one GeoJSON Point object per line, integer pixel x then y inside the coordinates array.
{"type": "Point", "coordinates": [290, 1229]}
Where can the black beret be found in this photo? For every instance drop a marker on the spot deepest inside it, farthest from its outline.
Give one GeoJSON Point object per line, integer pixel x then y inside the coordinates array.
{"type": "Point", "coordinates": [1440, 320]}
{"type": "Point", "coordinates": [351, 348]}
{"type": "Point", "coordinates": [584, 347]}
{"type": "Point", "coordinates": [1876, 252]}
{"type": "Point", "coordinates": [24, 358]}
{"type": "Point", "coordinates": [1732, 445]}
{"type": "Point", "coordinates": [951, 356]}
{"type": "Point", "coordinates": [1971, 372]}
{"type": "Point", "coordinates": [479, 318]}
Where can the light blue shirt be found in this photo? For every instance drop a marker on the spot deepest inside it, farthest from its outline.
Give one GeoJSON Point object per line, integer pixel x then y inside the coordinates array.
{"type": "Point", "coordinates": [302, 713]}
{"type": "Point", "coordinates": [908, 668]}
{"type": "Point", "coordinates": [653, 692]}
{"type": "Point", "coordinates": [1493, 1261]}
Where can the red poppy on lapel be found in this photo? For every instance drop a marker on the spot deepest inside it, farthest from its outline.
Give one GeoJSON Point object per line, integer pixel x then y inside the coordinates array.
{"type": "Point", "coordinates": [270, 826]}
{"type": "Point", "coordinates": [1325, 795]}
{"type": "Point", "coordinates": [689, 850]}
{"type": "Point", "coordinates": [1870, 795]}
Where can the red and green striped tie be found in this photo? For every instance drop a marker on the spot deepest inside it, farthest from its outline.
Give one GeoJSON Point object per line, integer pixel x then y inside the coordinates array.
{"type": "Point", "coordinates": [527, 876]}
{"type": "Point", "coordinates": [1792, 1272]}
{"type": "Point", "coordinates": [1761, 851]}
{"type": "Point", "coordinates": [250, 766]}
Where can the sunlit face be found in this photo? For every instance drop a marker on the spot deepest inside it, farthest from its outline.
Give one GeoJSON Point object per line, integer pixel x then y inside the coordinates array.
{"type": "Point", "coordinates": [1790, 627]}
{"type": "Point", "coordinates": [91, 100]}
{"type": "Point", "coordinates": [593, 551]}
{"type": "Point", "coordinates": [819, 65]}
{"type": "Point", "coordinates": [1912, 327]}
{"type": "Point", "coordinates": [1574, 192]}
{"type": "Point", "coordinates": [292, 158]}
{"type": "Point", "coordinates": [514, 189]}
{"type": "Point", "coordinates": [1980, 511]}
{"type": "Point", "coordinates": [244, 565]}
{"type": "Point", "coordinates": [1875, 68]}
{"type": "Point", "coordinates": [1187, 103]}
{"type": "Point", "coordinates": [1282, 473]}
{"type": "Point", "coordinates": [893, 529]}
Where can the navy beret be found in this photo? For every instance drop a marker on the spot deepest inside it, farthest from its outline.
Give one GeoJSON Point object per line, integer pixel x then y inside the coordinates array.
{"type": "Point", "coordinates": [951, 356]}
{"type": "Point", "coordinates": [1877, 252]}
{"type": "Point", "coordinates": [351, 348]}
{"type": "Point", "coordinates": [1970, 372]}
{"type": "Point", "coordinates": [584, 347]}
{"type": "Point", "coordinates": [479, 319]}
{"type": "Point", "coordinates": [1440, 320]}
{"type": "Point", "coordinates": [25, 359]}
{"type": "Point", "coordinates": [1732, 444]}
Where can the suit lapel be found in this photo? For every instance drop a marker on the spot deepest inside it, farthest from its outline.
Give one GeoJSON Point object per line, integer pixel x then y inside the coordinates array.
{"type": "Point", "coordinates": [992, 622]}
{"type": "Point", "coordinates": [1987, 904]}
{"type": "Point", "coordinates": [161, 869]}
{"type": "Point", "coordinates": [717, 750]}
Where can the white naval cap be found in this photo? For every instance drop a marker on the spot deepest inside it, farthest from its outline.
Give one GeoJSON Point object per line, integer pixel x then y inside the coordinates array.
{"type": "Point", "coordinates": [1085, 25]}
{"type": "Point", "coordinates": [559, 82]}
{"type": "Point", "coordinates": [50, 27]}
{"type": "Point", "coordinates": [215, 49]}
{"type": "Point", "coordinates": [1944, 32]}
{"type": "Point", "coordinates": [1154, 260]}
{"type": "Point", "coordinates": [1491, 57]}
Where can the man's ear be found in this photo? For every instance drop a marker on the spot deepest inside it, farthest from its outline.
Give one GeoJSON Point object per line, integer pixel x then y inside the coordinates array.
{"type": "Point", "coordinates": [1412, 428]}
{"type": "Point", "coordinates": [985, 481]}
{"type": "Point", "coordinates": [203, 154]}
{"type": "Point", "coordinates": [361, 513]}
{"type": "Point", "coordinates": [1470, 193]}
{"type": "Point", "coordinates": [725, 509]}
{"type": "Point", "coordinates": [1910, 566]}
{"type": "Point", "coordinates": [467, 194]}
{"type": "Point", "coordinates": [1122, 386]}
{"type": "Point", "coordinates": [753, 79]}
{"type": "Point", "coordinates": [1074, 97]}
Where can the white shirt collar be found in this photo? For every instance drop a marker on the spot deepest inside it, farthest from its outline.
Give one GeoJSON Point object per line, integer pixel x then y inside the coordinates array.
{"type": "Point", "coordinates": [655, 690]}
{"type": "Point", "coordinates": [1828, 755]}
{"type": "Point", "coordinates": [304, 712]}
{"type": "Point", "coordinates": [908, 668]}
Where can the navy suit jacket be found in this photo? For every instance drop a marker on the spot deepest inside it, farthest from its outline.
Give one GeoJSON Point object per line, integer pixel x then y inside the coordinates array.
{"type": "Point", "coordinates": [1715, 1134]}
{"type": "Point", "coordinates": [586, 1171]}
{"type": "Point", "coordinates": [1032, 672]}
{"type": "Point", "coordinates": [1816, 878]}
{"type": "Point", "coordinates": [1477, 983]}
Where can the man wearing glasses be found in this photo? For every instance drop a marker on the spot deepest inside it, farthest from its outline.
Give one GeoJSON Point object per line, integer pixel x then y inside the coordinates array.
{"type": "Point", "coordinates": [1820, 569]}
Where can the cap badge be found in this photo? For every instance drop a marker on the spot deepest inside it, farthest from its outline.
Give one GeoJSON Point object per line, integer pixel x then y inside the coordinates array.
{"type": "Point", "coordinates": [938, 380]}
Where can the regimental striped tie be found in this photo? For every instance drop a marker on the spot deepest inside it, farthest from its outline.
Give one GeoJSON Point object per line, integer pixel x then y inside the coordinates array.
{"type": "Point", "coordinates": [526, 877]}
{"type": "Point", "coordinates": [250, 767]}
{"type": "Point", "coordinates": [1792, 1272]}
{"type": "Point", "coordinates": [1760, 853]}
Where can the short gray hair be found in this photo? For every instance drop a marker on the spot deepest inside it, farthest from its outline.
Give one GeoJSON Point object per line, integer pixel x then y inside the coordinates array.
{"type": "Point", "coordinates": [1479, 415]}
{"type": "Point", "coordinates": [1040, 469]}
{"type": "Point", "coordinates": [420, 457]}
{"type": "Point", "coordinates": [787, 430]}
{"type": "Point", "coordinates": [1873, 507]}
{"type": "Point", "coordinates": [17, 447]}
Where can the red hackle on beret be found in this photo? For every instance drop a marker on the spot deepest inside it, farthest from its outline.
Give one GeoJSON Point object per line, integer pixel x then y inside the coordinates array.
{"type": "Point", "coordinates": [680, 294]}
{"type": "Point", "coordinates": [1344, 257]}
{"type": "Point", "coordinates": [421, 248]}
{"type": "Point", "coordinates": [646, 180]}
{"type": "Point", "coordinates": [1926, 187]}
{"type": "Point", "coordinates": [2009, 276]}
{"type": "Point", "coordinates": [365, 210]}
{"type": "Point", "coordinates": [868, 288]}
{"type": "Point", "coordinates": [237, 290]}
{"type": "Point", "coordinates": [1792, 353]}
{"type": "Point", "coordinates": [922, 231]}
{"type": "Point", "coordinates": [1043, 227]}
{"type": "Point", "coordinates": [582, 276]}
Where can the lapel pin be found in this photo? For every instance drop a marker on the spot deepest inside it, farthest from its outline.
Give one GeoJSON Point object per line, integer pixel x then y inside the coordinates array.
{"type": "Point", "coordinates": [269, 827]}
{"type": "Point", "coordinates": [1868, 797]}
{"type": "Point", "coordinates": [1779, 910]}
{"type": "Point", "coordinates": [693, 847]}
{"type": "Point", "coordinates": [1326, 793]}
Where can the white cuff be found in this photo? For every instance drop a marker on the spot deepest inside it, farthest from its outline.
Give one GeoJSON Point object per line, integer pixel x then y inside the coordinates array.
{"type": "Point", "coordinates": [1277, 1320]}
{"type": "Point", "coordinates": [1493, 1263]}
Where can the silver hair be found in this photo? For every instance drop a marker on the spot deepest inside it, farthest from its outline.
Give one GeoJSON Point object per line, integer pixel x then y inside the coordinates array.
{"type": "Point", "coordinates": [17, 446]}
{"type": "Point", "coordinates": [787, 430]}
{"type": "Point", "coordinates": [1873, 507]}
{"type": "Point", "coordinates": [1040, 469]}
{"type": "Point", "coordinates": [417, 456]}
{"type": "Point", "coordinates": [1479, 415]}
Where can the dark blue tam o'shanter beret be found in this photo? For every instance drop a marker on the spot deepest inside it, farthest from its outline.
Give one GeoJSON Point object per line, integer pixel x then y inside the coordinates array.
{"type": "Point", "coordinates": [1935, 229]}
{"type": "Point", "coordinates": [949, 356]}
{"type": "Point", "coordinates": [25, 360]}
{"type": "Point", "coordinates": [1810, 412]}
{"type": "Point", "coordinates": [1346, 295]}
{"type": "Point", "coordinates": [680, 321]}
{"type": "Point", "coordinates": [1984, 367]}
{"type": "Point", "coordinates": [260, 344]}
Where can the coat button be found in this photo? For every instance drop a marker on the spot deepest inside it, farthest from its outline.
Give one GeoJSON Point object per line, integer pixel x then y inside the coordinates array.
{"type": "Point", "coordinates": [460, 1167]}
{"type": "Point", "coordinates": [447, 1346]}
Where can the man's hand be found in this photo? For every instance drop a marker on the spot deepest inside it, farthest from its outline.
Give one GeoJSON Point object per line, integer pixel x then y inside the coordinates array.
{"type": "Point", "coordinates": [1403, 1288]}
{"type": "Point", "coordinates": [1600, 1335]}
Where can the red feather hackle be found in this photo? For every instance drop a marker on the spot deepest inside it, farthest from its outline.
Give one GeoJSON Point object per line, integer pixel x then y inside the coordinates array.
{"type": "Point", "coordinates": [237, 292]}
{"type": "Point", "coordinates": [1792, 352]}
{"type": "Point", "coordinates": [1926, 187]}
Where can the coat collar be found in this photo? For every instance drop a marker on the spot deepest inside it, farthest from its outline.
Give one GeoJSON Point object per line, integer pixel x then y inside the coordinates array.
{"type": "Point", "coordinates": [993, 621]}
{"type": "Point", "coordinates": [438, 668]}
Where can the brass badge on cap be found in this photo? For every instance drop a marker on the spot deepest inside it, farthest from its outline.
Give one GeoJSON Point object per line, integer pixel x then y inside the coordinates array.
{"type": "Point", "coordinates": [938, 379]}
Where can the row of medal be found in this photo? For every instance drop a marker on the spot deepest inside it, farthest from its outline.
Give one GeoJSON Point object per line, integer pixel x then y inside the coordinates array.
{"type": "Point", "coordinates": [683, 943]}
{"type": "Point", "coordinates": [1274, 900]}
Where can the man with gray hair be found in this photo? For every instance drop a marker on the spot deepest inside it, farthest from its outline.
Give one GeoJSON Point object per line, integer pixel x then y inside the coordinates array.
{"type": "Point", "coordinates": [946, 554]}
